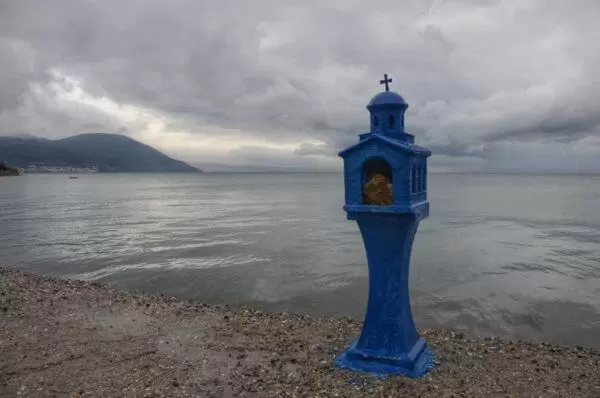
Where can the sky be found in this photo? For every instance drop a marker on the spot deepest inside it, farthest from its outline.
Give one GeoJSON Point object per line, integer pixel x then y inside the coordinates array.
{"type": "Point", "coordinates": [491, 85]}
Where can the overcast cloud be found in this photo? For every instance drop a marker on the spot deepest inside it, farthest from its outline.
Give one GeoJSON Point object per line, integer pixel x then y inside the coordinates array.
{"type": "Point", "coordinates": [492, 85]}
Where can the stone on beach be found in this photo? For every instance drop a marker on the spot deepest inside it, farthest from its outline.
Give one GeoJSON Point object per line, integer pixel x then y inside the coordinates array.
{"type": "Point", "coordinates": [62, 337]}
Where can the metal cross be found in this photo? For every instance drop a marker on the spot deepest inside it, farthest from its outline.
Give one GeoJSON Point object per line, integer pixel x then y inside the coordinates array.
{"type": "Point", "coordinates": [386, 81]}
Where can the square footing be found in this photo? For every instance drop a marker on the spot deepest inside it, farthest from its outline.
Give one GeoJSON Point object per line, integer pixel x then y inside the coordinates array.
{"type": "Point", "coordinates": [413, 364]}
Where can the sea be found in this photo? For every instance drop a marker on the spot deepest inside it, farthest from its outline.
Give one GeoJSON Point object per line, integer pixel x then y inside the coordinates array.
{"type": "Point", "coordinates": [516, 256]}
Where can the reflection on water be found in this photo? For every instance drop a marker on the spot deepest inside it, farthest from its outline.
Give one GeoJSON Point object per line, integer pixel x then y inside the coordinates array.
{"type": "Point", "coordinates": [500, 254]}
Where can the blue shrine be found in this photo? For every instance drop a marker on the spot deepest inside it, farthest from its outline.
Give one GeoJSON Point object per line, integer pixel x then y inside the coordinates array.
{"type": "Point", "coordinates": [389, 342]}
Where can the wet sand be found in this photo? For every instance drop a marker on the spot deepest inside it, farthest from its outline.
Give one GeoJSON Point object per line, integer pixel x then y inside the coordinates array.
{"type": "Point", "coordinates": [72, 338]}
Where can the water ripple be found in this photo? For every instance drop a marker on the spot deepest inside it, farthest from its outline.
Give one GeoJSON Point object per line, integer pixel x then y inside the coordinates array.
{"type": "Point", "coordinates": [511, 255]}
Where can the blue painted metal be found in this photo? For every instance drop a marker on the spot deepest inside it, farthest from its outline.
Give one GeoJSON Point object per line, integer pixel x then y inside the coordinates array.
{"type": "Point", "coordinates": [389, 98]}
{"type": "Point", "coordinates": [389, 342]}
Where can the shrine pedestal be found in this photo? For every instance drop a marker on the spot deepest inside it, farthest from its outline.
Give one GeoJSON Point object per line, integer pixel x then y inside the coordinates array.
{"type": "Point", "coordinates": [389, 342]}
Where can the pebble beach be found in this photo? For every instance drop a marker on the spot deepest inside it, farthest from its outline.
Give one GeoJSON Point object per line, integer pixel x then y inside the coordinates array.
{"type": "Point", "coordinates": [70, 338]}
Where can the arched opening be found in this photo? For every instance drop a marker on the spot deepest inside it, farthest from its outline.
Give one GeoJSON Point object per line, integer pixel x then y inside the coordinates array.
{"type": "Point", "coordinates": [377, 182]}
{"type": "Point", "coordinates": [392, 120]}
{"type": "Point", "coordinates": [375, 121]}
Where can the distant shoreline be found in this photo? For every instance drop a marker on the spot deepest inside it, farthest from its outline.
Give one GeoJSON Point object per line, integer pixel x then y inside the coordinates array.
{"type": "Point", "coordinates": [438, 173]}
{"type": "Point", "coordinates": [112, 172]}
{"type": "Point", "coordinates": [10, 172]}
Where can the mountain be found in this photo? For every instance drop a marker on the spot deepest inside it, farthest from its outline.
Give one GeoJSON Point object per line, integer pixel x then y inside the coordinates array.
{"type": "Point", "coordinates": [25, 136]}
{"type": "Point", "coordinates": [105, 152]}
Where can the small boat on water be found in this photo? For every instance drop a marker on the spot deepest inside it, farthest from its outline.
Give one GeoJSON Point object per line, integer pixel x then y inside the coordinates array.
{"type": "Point", "coordinates": [73, 177]}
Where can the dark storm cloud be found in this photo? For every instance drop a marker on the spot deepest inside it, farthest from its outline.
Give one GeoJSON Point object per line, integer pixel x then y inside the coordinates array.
{"type": "Point", "coordinates": [478, 75]}
{"type": "Point", "coordinates": [555, 128]}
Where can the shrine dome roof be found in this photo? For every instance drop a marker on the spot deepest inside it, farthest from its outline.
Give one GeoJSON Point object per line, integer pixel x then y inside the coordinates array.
{"type": "Point", "coordinates": [389, 98]}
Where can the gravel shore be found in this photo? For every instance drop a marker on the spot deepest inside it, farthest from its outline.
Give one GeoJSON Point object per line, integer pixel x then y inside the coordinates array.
{"type": "Point", "coordinates": [69, 338]}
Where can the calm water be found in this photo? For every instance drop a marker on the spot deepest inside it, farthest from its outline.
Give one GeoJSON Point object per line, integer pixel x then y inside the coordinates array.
{"type": "Point", "coordinates": [516, 256]}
